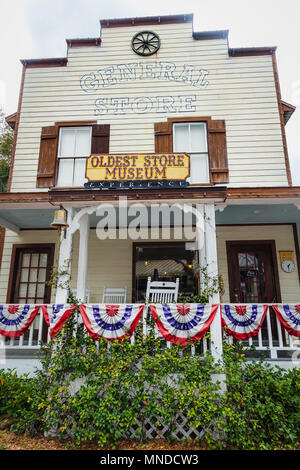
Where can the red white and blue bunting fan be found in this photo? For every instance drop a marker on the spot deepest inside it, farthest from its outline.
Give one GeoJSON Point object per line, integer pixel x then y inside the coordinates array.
{"type": "Point", "coordinates": [183, 323]}
{"type": "Point", "coordinates": [289, 316]}
{"type": "Point", "coordinates": [243, 321]}
{"type": "Point", "coordinates": [16, 319]}
{"type": "Point", "coordinates": [56, 316]}
{"type": "Point", "coordinates": [113, 322]}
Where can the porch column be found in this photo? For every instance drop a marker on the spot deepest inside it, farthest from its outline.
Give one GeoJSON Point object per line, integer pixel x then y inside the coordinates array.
{"type": "Point", "coordinates": [64, 260]}
{"type": "Point", "coordinates": [212, 271]}
{"type": "Point", "coordinates": [84, 230]}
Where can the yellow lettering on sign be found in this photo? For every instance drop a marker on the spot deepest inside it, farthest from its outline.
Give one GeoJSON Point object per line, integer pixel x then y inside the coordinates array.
{"type": "Point", "coordinates": [126, 167]}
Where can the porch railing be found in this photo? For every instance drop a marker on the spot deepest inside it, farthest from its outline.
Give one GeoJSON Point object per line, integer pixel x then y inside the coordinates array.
{"type": "Point", "coordinates": [272, 340]}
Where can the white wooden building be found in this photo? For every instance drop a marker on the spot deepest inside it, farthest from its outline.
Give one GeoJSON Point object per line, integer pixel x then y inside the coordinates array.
{"type": "Point", "coordinates": [152, 86]}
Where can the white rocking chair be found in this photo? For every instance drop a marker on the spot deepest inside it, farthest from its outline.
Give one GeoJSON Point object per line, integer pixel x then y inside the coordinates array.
{"type": "Point", "coordinates": [113, 295]}
{"type": "Point", "coordinates": [87, 294]}
{"type": "Point", "coordinates": [162, 292]}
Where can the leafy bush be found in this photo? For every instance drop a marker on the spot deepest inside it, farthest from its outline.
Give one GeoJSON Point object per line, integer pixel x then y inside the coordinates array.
{"type": "Point", "coordinates": [21, 402]}
{"type": "Point", "coordinates": [262, 404]}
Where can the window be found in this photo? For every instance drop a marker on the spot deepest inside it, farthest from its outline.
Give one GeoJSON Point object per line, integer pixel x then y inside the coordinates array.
{"type": "Point", "coordinates": [73, 148]}
{"type": "Point", "coordinates": [191, 138]}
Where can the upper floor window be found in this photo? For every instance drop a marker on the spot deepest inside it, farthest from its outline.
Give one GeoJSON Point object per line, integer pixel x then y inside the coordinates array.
{"type": "Point", "coordinates": [192, 139]}
{"type": "Point", "coordinates": [73, 147]}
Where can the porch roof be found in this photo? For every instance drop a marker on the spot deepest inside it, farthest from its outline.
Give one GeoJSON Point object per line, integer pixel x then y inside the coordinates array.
{"type": "Point", "coordinates": [237, 214]}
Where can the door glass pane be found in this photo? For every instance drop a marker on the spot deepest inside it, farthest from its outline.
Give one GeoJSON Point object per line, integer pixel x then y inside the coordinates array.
{"type": "Point", "coordinates": [66, 143]}
{"type": "Point", "coordinates": [33, 275]}
{"type": "Point", "coordinates": [42, 275]}
{"type": "Point", "coordinates": [31, 290]}
{"type": "Point", "coordinates": [79, 172]}
{"type": "Point", "coordinates": [198, 137]}
{"type": "Point", "coordinates": [25, 259]}
{"type": "Point", "coordinates": [34, 259]}
{"type": "Point", "coordinates": [22, 290]}
{"type": "Point", "coordinates": [83, 142]}
{"type": "Point", "coordinates": [24, 275]}
{"type": "Point", "coordinates": [43, 259]}
{"type": "Point", "coordinates": [65, 172]}
{"type": "Point", "coordinates": [40, 290]}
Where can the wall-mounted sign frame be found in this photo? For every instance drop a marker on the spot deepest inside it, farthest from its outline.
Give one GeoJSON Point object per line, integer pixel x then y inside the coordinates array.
{"type": "Point", "coordinates": [139, 167]}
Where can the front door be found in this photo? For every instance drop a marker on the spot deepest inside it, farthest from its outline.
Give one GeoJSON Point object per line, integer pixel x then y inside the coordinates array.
{"type": "Point", "coordinates": [253, 277]}
{"type": "Point", "coordinates": [252, 272]}
{"type": "Point", "coordinates": [30, 274]}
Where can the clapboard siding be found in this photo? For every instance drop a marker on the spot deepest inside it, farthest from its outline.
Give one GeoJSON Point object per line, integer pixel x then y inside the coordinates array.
{"type": "Point", "coordinates": [241, 90]}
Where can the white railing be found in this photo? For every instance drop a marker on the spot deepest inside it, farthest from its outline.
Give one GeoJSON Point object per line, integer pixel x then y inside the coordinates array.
{"type": "Point", "coordinates": [272, 338]}
{"type": "Point", "coordinates": [32, 338]}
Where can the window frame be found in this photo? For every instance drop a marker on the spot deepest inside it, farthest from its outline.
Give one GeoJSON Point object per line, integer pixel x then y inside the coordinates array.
{"type": "Point", "coordinates": [74, 127]}
{"type": "Point", "coordinates": [207, 120]}
{"type": "Point", "coordinates": [189, 123]}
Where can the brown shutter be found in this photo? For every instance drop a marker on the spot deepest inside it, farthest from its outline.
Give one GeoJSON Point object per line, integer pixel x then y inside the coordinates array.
{"type": "Point", "coordinates": [217, 151]}
{"type": "Point", "coordinates": [48, 157]}
{"type": "Point", "coordinates": [100, 138]}
{"type": "Point", "coordinates": [163, 137]}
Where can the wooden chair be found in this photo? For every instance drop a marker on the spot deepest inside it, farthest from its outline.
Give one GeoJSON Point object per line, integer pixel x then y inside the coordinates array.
{"type": "Point", "coordinates": [162, 292]}
{"type": "Point", "coordinates": [113, 295]}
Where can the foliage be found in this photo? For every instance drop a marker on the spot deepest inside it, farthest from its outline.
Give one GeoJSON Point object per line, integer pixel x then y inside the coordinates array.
{"type": "Point", "coordinates": [124, 385]}
{"type": "Point", "coordinates": [262, 404]}
{"type": "Point", "coordinates": [99, 390]}
{"type": "Point", "coordinates": [88, 390]}
{"type": "Point", "coordinates": [6, 143]}
{"type": "Point", "coordinates": [20, 401]}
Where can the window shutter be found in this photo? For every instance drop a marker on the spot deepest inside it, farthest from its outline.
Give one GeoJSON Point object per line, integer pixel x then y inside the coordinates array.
{"type": "Point", "coordinates": [217, 151]}
{"type": "Point", "coordinates": [48, 156]}
{"type": "Point", "coordinates": [100, 138]}
{"type": "Point", "coordinates": [163, 137]}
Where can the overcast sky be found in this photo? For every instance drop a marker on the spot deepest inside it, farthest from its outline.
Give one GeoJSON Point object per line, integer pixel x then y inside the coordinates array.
{"type": "Point", "coordinates": [38, 28]}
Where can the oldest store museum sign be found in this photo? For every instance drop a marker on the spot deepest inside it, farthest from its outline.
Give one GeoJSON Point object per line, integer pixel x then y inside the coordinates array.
{"type": "Point", "coordinates": [137, 170]}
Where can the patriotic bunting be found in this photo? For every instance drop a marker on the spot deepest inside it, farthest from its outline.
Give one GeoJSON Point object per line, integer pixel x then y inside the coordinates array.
{"type": "Point", "coordinates": [178, 323]}
{"type": "Point", "coordinates": [182, 323]}
{"type": "Point", "coordinates": [243, 321]}
{"type": "Point", "coordinates": [289, 316]}
{"type": "Point", "coordinates": [55, 316]}
{"type": "Point", "coordinates": [114, 322]}
{"type": "Point", "coordinates": [16, 319]}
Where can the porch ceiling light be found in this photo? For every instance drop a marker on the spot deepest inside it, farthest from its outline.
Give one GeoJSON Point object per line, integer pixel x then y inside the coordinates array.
{"type": "Point", "coordinates": [60, 219]}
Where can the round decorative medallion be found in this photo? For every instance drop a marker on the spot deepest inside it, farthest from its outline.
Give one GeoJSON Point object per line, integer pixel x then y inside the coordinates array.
{"type": "Point", "coordinates": [145, 43]}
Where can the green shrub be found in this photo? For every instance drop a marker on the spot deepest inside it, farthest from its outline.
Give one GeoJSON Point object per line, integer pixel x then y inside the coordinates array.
{"type": "Point", "coordinates": [21, 401]}
{"type": "Point", "coordinates": [262, 404]}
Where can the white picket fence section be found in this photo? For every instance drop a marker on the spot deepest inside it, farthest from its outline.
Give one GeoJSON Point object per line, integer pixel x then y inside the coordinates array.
{"type": "Point", "coordinates": [31, 338]}
{"type": "Point", "coordinates": [275, 341]}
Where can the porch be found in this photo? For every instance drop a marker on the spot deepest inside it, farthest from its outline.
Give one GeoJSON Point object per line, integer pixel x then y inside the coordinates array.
{"type": "Point", "coordinates": [126, 262]}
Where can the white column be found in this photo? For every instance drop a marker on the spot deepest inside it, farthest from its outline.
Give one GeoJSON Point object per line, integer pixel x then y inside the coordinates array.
{"type": "Point", "coordinates": [84, 231]}
{"type": "Point", "coordinates": [64, 260]}
{"type": "Point", "coordinates": [201, 240]}
{"type": "Point", "coordinates": [212, 271]}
